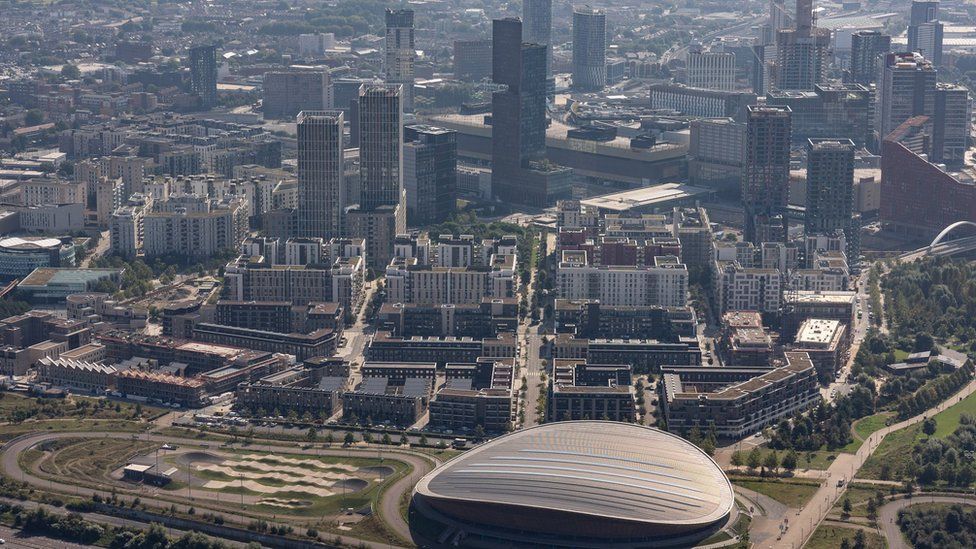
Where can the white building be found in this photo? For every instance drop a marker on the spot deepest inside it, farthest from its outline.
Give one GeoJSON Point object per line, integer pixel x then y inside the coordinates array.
{"type": "Point", "coordinates": [665, 283]}
{"type": "Point", "coordinates": [710, 70]}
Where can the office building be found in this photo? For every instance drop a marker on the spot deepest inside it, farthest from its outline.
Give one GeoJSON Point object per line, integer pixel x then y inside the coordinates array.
{"type": "Point", "coordinates": [710, 70]}
{"type": "Point", "coordinates": [400, 53]}
{"type": "Point", "coordinates": [741, 409]}
{"type": "Point", "coordinates": [951, 124]}
{"type": "Point", "coordinates": [520, 172]}
{"type": "Point", "coordinates": [906, 88]}
{"type": "Point", "coordinates": [287, 93]}
{"type": "Point", "coordinates": [829, 110]}
{"type": "Point", "coordinates": [801, 52]}
{"type": "Point", "coordinates": [830, 191]}
{"type": "Point", "coordinates": [537, 29]}
{"type": "Point", "coordinates": [925, 31]}
{"type": "Point", "coordinates": [203, 75]}
{"type": "Point", "coordinates": [381, 212]}
{"type": "Point", "coordinates": [867, 49]}
{"type": "Point", "coordinates": [472, 60]}
{"type": "Point", "coordinates": [430, 174]}
{"type": "Point", "coordinates": [589, 48]}
{"type": "Point", "coordinates": [321, 185]}
{"type": "Point", "coordinates": [765, 180]}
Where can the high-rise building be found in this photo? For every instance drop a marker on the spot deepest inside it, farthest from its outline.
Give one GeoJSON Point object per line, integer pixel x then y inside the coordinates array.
{"type": "Point", "coordinates": [906, 88]}
{"type": "Point", "coordinates": [381, 213]}
{"type": "Point", "coordinates": [589, 48]}
{"type": "Point", "coordinates": [716, 153]}
{"type": "Point", "coordinates": [321, 189]}
{"type": "Point", "coordinates": [867, 47]}
{"type": "Point", "coordinates": [801, 52]}
{"type": "Point", "coordinates": [400, 52]}
{"type": "Point", "coordinates": [472, 60]}
{"type": "Point", "coordinates": [925, 30]}
{"type": "Point", "coordinates": [430, 173]}
{"type": "Point", "coordinates": [537, 20]}
{"type": "Point", "coordinates": [287, 93]}
{"type": "Point", "coordinates": [203, 75]}
{"type": "Point", "coordinates": [830, 190]}
{"type": "Point", "coordinates": [316, 44]}
{"type": "Point", "coordinates": [766, 176]}
{"type": "Point", "coordinates": [950, 132]}
{"type": "Point", "coordinates": [710, 70]}
{"type": "Point", "coordinates": [520, 173]}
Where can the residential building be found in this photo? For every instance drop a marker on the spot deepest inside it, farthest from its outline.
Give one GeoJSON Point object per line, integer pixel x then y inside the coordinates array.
{"type": "Point", "coordinates": [430, 174]}
{"type": "Point", "coordinates": [592, 319]}
{"type": "Point", "coordinates": [765, 181]}
{"type": "Point", "coordinates": [830, 192]}
{"type": "Point", "coordinates": [287, 93]}
{"type": "Point", "coordinates": [867, 48]}
{"type": "Point", "coordinates": [376, 400]}
{"type": "Point", "coordinates": [801, 52]}
{"type": "Point", "coordinates": [717, 153]}
{"type": "Point", "coordinates": [400, 53]}
{"type": "Point", "coordinates": [925, 31]}
{"type": "Point", "coordinates": [485, 319]}
{"type": "Point", "coordinates": [589, 48]}
{"type": "Point", "coordinates": [739, 410]}
{"type": "Point", "coordinates": [951, 124]}
{"type": "Point", "coordinates": [321, 171]}
{"type": "Point", "coordinates": [663, 283]}
{"type": "Point", "coordinates": [290, 391]}
{"type": "Point", "coordinates": [744, 341]}
{"type": "Point", "coordinates": [906, 88]}
{"type": "Point", "coordinates": [256, 279]}
{"type": "Point", "coordinates": [710, 70]}
{"type": "Point", "coordinates": [189, 226]}
{"type": "Point", "coordinates": [643, 355]}
{"type": "Point", "coordinates": [581, 391]}
{"type": "Point", "coordinates": [481, 394]}
{"type": "Point", "coordinates": [825, 343]}
{"type": "Point", "coordinates": [203, 75]}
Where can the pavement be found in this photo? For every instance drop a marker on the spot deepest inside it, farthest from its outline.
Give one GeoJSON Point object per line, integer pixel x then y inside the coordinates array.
{"type": "Point", "coordinates": [388, 509]}
{"type": "Point", "coordinates": [845, 467]}
{"type": "Point", "coordinates": [888, 516]}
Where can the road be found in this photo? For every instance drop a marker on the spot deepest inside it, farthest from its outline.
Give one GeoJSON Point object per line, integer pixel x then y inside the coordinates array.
{"type": "Point", "coordinates": [845, 467]}
{"type": "Point", "coordinates": [841, 385]}
{"type": "Point", "coordinates": [389, 507]}
{"type": "Point", "coordinates": [888, 516]}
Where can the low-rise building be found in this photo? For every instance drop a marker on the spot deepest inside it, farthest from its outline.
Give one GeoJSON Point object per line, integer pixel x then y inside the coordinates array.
{"type": "Point", "coordinates": [267, 397]}
{"type": "Point", "coordinates": [385, 347]}
{"type": "Point", "coordinates": [76, 374]}
{"type": "Point", "coordinates": [744, 340]}
{"type": "Point", "coordinates": [744, 408]}
{"type": "Point", "coordinates": [591, 319]}
{"type": "Point", "coordinates": [45, 285]}
{"type": "Point", "coordinates": [479, 394]}
{"type": "Point", "coordinates": [162, 387]}
{"type": "Point", "coordinates": [643, 355]}
{"type": "Point", "coordinates": [376, 400]}
{"type": "Point", "coordinates": [486, 319]}
{"type": "Point", "coordinates": [581, 391]}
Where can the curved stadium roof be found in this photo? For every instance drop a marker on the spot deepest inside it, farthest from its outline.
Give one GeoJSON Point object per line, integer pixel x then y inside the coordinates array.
{"type": "Point", "coordinates": [593, 469]}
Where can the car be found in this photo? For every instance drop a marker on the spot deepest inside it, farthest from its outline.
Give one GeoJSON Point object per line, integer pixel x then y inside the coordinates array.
{"type": "Point", "coordinates": [759, 434]}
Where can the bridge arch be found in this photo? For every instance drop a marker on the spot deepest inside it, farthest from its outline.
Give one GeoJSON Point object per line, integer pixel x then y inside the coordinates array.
{"type": "Point", "coordinates": [947, 230]}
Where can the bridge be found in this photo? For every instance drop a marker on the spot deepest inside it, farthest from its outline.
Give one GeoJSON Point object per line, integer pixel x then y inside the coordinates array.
{"type": "Point", "coordinates": [938, 248]}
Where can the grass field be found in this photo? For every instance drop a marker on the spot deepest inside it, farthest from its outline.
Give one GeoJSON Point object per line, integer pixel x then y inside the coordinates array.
{"type": "Point", "coordinates": [792, 493]}
{"type": "Point", "coordinates": [894, 451]}
{"type": "Point", "coordinates": [830, 537]}
{"type": "Point", "coordinates": [863, 428]}
{"type": "Point", "coordinates": [92, 460]}
{"type": "Point", "coordinates": [948, 420]}
{"type": "Point", "coordinates": [859, 494]}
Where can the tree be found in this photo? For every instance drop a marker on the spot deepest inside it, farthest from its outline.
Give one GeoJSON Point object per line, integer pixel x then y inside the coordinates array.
{"type": "Point", "coordinates": [386, 439]}
{"type": "Point", "coordinates": [311, 435]}
{"type": "Point", "coordinates": [860, 540]}
{"type": "Point", "coordinates": [755, 459]}
{"type": "Point", "coordinates": [872, 508]}
{"type": "Point", "coordinates": [736, 459]}
{"type": "Point", "coordinates": [423, 440]}
{"type": "Point", "coordinates": [771, 462]}
{"type": "Point", "coordinates": [71, 72]}
{"type": "Point", "coordinates": [34, 117]}
{"type": "Point", "coordinates": [367, 437]}
{"type": "Point", "coordinates": [847, 507]}
{"type": "Point", "coordinates": [929, 426]}
{"type": "Point", "coordinates": [349, 439]}
{"type": "Point", "coordinates": [403, 439]}
{"type": "Point", "coordinates": [790, 461]}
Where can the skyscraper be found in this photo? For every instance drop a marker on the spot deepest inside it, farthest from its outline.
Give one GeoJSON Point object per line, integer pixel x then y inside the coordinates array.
{"type": "Point", "coordinates": [537, 20]}
{"type": "Point", "coordinates": [400, 52]}
{"type": "Point", "coordinates": [906, 88]}
{"type": "Point", "coordinates": [287, 93]}
{"type": "Point", "coordinates": [830, 192]}
{"type": "Point", "coordinates": [801, 52]}
{"type": "Point", "coordinates": [867, 47]}
{"type": "Point", "coordinates": [710, 70]}
{"type": "Point", "coordinates": [925, 30]}
{"type": "Point", "coordinates": [589, 48]}
{"type": "Point", "coordinates": [950, 132]}
{"type": "Point", "coordinates": [203, 75]}
{"type": "Point", "coordinates": [766, 178]}
{"type": "Point", "coordinates": [520, 174]}
{"type": "Point", "coordinates": [430, 173]}
{"type": "Point", "coordinates": [321, 189]}
{"type": "Point", "coordinates": [381, 212]}
{"type": "Point", "coordinates": [472, 59]}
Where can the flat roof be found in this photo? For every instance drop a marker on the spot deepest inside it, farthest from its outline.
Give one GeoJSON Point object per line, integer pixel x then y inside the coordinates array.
{"type": "Point", "coordinates": [817, 331]}
{"type": "Point", "coordinates": [645, 196]}
{"type": "Point", "coordinates": [614, 470]}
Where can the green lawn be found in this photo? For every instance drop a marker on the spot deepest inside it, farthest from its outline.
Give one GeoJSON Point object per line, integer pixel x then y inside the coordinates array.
{"type": "Point", "coordinates": [948, 420]}
{"type": "Point", "coordinates": [863, 428]}
{"type": "Point", "coordinates": [830, 537]}
{"type": "Point", "coordinates": [859, 494]}
{"type": "Point", "coordinates": [820, 459]}
{"type": "Point", "coordinates": [894, 451]}
{"type": "Point", "coordinates": [900, 355]}
{"type": "Point", "coordinates": [792, 493]}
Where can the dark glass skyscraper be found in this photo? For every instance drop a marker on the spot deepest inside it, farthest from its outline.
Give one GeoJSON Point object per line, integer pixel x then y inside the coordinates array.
{"type": "Point", "coordinates": [925, 30]}
{"type": "Point", "coordinates": [537, 18]}
{"type": "Point", "coordinates": [203, 75]}
{"type": "Point", "coordinates": [766, 177]}
{"type": "Point", "coordinates": [430, 173]}
{"type": "Point", "coordinates": [321, 189]}
{"type": "Point", "coordinates": [867, 47]}
{"type": "Point", "coordinates": [589, 49]}
{"type": "Point", "coordinates": [520, 174]}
